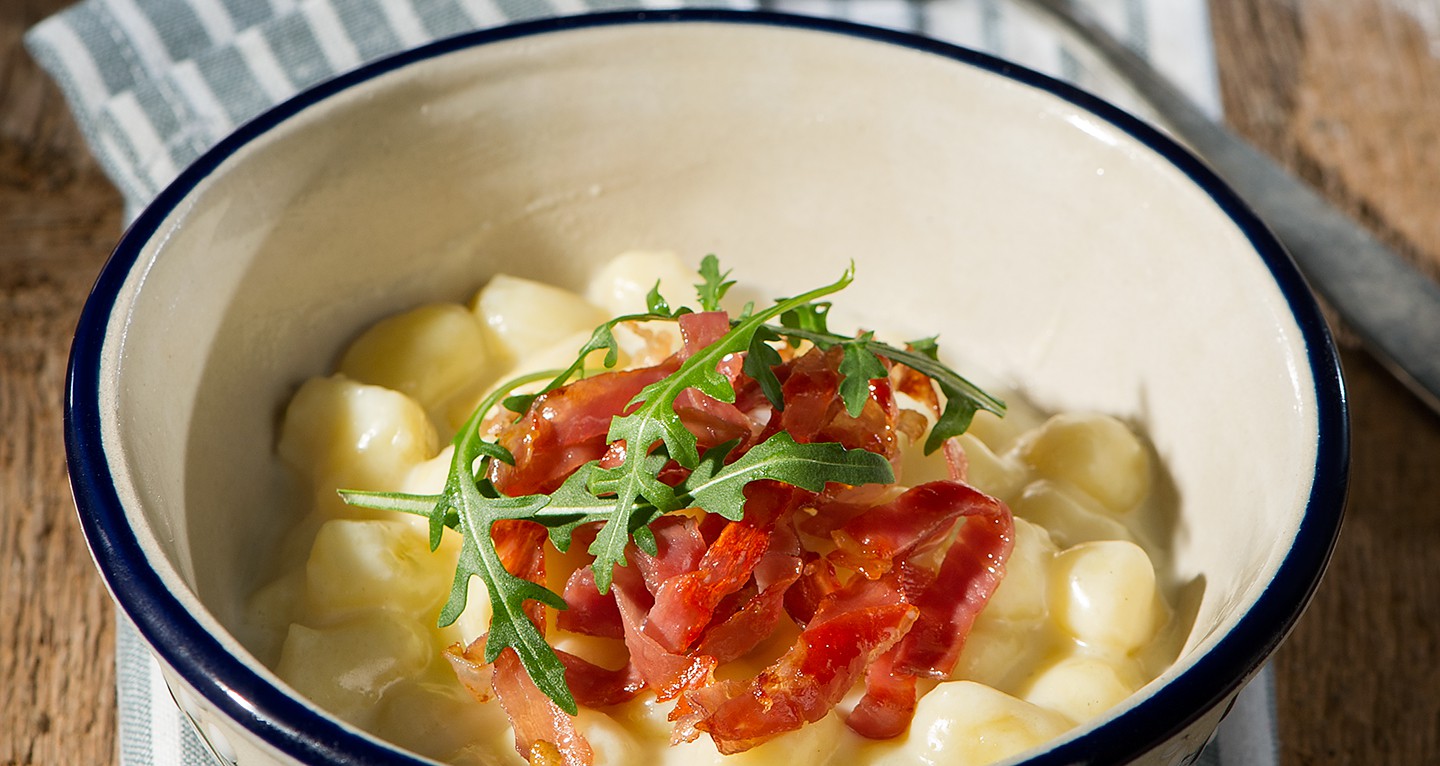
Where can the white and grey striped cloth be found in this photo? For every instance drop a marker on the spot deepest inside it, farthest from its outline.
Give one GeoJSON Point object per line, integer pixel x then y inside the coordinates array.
{"type": "Point", "coordinates": [154, 83]}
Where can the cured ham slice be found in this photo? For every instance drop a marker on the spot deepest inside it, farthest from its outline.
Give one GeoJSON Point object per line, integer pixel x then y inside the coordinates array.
{"type": "Point", "coordinates": [701, 329]}
{"type": "Point", "coordinates": [538, 722]}
{"type": "Point", "coordinates": [679, 549]}
{"type": "Point", "coordinates": [667, 673]}
{"type": "Point", "coordinates": [972, 569]}
{"type": "Point", "coordinates": [685, 604]}
{"type": "Point", "coordinates": [949, 600]}
{"type": "Point", "coordinates": [814, 411]}
{"type": "Point", "coordinates": [880, 585]}
{"type": "Point", "coordinates": [714, 422]}
{"type": "Point", "coordinates": [873, 541]}
{"type": "Point", "coordinates": [590, 612]}
{"type": "Point", "coordinates": [750, 624]}
{"type": "Point", "coordinates": [595, 686]}
{"type": "Point", "coordinates": [566, 428]}
{"type": "Point", "coordinates": [917, 386]}
{"type": "Point", "coordinates": [889, 702]}
{"type": "Point", "coordinates": [801, 687]}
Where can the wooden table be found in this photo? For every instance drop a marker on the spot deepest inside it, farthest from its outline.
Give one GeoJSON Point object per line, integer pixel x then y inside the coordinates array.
{"type": "Point", "coordinates": [1345, 92]}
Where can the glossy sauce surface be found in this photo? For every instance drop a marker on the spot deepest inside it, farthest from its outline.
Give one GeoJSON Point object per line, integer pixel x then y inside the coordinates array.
{"type": "Point", "coordinates": [1080, 621]}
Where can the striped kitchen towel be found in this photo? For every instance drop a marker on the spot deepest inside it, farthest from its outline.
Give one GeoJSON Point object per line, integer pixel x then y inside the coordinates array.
{"type": "Point", "coordinates": [154, 83]}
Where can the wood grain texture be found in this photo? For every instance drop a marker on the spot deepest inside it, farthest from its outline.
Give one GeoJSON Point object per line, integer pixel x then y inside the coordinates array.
{"type": "Point", "coordinates": [58, 218]}
{"type": "Point", "coordinates": [1345, 92]}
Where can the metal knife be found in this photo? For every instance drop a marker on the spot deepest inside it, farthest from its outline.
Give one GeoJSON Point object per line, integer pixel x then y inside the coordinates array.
{"type": "Point", "coordinates": [1391, 306]}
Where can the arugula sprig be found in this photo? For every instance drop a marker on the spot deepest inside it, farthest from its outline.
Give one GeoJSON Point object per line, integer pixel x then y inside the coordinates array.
{"type": "Point", "coordinates": [713, 284]}
{"type": "Point", "coordinates": [655, 421]}
{"type": "Point", "coordinates": [602, 338]}
{"type": "Point", "coordinates": [714, 486]}
{"type": "Point", "coordinates": [625, 499]}
{"type": "Point", "coordinates": [860, 364]}
{"type": "Point", "coordinates": [471, 504]}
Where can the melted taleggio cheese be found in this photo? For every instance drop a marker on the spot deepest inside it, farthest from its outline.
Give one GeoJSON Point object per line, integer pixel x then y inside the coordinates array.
{"type": "Point", "coordinates": [1076, 626]}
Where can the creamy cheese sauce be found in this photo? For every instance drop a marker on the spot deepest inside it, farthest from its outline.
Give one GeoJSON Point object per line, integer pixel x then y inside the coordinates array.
{"type": "Point", "coordinates": [1079, 623]}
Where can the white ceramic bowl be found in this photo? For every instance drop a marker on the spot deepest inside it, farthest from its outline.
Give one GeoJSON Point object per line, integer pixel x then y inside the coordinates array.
{"type": "Point", "coordinates": [1059, 245]}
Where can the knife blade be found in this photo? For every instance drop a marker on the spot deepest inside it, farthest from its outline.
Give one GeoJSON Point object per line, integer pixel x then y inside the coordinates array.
{"type": "Point", "coordinates": [1392, 307]}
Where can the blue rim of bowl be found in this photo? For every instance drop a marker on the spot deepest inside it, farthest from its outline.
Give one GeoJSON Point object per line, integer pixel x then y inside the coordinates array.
{"type": "Point", "coordinates": [299, 731]}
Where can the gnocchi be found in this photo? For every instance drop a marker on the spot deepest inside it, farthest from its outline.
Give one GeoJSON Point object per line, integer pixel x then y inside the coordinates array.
{"type": "Point", "coordinates": [1068, 634]}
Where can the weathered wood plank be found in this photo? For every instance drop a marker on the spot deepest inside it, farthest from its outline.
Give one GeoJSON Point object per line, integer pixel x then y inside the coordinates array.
{"type": "Point", "coordinates": [1347, 93]}
{"type": "Point", "coordinates": [1344, 91]}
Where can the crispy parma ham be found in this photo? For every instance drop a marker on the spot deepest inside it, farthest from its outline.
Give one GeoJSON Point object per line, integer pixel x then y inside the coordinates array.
{"type": "Point", "coordinates": [539, 724]}
{"type": "Point", "coordinates": [878, 586]}
{"type": "Point", "coordinates": [565, 429]}
{"type": "Point", "coordinates": [801, 687]}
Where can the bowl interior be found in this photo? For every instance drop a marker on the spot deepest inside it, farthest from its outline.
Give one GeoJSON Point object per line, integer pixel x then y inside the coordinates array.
{"type": "Point", "coordinates": [1055, 253]}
